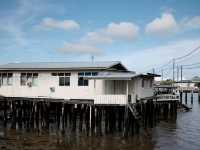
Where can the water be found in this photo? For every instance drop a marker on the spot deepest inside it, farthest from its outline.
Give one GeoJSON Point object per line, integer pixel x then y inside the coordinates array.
{"type": "Point", "coordinates": [184, 134]}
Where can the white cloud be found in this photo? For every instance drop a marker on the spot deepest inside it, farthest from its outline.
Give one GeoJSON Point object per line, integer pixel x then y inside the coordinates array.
{"type": "Point", "coordinates": [89, 43]}
{"type": "Point", "coordinates": [122, 30]}
{"type": "Point", "coordinates": [164, 25]}
{"type": "Point", "coordinates": [51, 23]}
{"type": "Point", "coordinates": [193, 22]}
{"type": "Point", "coordinates": [96, 38]}
{"type": "Point", "coordinates": [79, 48]}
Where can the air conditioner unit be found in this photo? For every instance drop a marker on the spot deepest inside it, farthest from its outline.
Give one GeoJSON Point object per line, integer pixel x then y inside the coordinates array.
{"type": "Point", "coordinates": [52, 89]}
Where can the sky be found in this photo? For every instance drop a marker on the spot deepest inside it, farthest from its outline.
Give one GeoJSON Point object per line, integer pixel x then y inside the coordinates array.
{"type": "Point", "coordinates": [142, 34]}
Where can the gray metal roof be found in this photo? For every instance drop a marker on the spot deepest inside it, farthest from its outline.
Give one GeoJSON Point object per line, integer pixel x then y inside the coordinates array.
{"type": "Point", "coordinates": [117, 75]}
{"type": "Point", "coordinates": [188, 81]}
{"type": "Point", "coordinates": [59, 65]}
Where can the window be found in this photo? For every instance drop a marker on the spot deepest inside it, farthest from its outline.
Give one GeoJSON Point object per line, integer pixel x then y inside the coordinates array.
{"type": "Point", "coordinates": [23, 78]}
{"type": "Point", "coordinates": [54, 74]}
{"type": "Point", "coordinates": [6, 79]}
{"type": "Point", "coordinates": [82, 81]}
{"type": "Point", "coordinates": [143, 83]}
{"type": "Point", "coordinates": [29, 79]}
{"type": "Point", "coordinates": [9, 79]}
{"type": "Point", "coordinates": [35, 79]}
{"type": "Point", "coordinates": [147, 83]}
{"type": "Point", "coordinates": [61, 81]}
{"type": "Point", "coordinates": [0, 79]}
{"type": "Point", "coordinates": [64, 79]}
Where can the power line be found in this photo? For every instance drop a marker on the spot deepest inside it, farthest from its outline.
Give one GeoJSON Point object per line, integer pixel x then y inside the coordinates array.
{"type": "Point", "coordinates": [192, 64]}
{"type": "Point", "coordinates": [196, 67]}
{"type": "Point", "coordinates": [188, 54]}
{"type": "Point", "coordinates": [181, 58]}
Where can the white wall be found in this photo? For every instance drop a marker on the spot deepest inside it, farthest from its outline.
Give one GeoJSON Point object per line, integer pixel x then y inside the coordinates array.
{"type": "Point", "coordinates": [45, 81]}
{"type": "Point", "coordinates": [96, 87]}
{"type": "Point", "coordinates": [140, 91]}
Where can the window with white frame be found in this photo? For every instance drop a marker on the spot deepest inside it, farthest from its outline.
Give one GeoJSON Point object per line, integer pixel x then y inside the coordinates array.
{"type": "Point", "coordinates": [64, 78]}
{"type": "Point", "coordinates": [29, 79]}
{"type": "Point", "coordinates": [6, 79]}
{"type": "Point", "coordinates": [82, 81]}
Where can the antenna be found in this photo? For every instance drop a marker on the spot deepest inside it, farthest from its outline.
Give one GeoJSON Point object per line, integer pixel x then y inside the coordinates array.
{"type": "Point", "coordinates": [92, 58]}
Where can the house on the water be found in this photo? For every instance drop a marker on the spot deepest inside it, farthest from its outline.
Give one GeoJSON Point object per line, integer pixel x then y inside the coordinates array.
{"type": "Point", "coordinates": [98, 82]}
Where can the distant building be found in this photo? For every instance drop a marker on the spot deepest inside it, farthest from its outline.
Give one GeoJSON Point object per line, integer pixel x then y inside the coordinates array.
{"type": "Point", "coordinates": [100, 82]}
{"type": "Point", "coordinates": [186, 85]}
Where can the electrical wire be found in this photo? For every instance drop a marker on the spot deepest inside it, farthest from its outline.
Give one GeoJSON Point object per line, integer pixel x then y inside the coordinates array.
{"type": "Point", "coordinates": [188, 54]}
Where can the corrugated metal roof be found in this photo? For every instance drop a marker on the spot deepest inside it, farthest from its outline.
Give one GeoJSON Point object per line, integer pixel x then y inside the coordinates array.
{"type": "Point", "coordinates": [58, 65]}
{"type": "Point", "coordinates": [118, 75]}
{"type": "Point", "coordinates": [115, 75]}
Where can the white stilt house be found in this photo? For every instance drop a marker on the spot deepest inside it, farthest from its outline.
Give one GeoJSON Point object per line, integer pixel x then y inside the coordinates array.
{"type": "Point", "coordinates": [99, 82]}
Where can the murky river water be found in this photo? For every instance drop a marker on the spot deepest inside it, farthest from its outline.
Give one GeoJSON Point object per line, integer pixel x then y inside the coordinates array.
{"type": "Point", "coordinates": [183, 134]}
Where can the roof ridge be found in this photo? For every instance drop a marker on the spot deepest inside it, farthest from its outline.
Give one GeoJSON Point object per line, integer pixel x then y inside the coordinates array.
{"type": "Point", "coordinates": [64, 62]}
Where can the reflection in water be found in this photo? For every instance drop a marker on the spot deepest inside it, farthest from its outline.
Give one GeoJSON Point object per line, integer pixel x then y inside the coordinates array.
{"type": "Point", "coordinates": [182, 134]}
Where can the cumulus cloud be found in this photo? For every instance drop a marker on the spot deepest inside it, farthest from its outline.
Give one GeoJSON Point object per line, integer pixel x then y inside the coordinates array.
{"type": "Point", "coordinates": [193, 22]}
{"type": "Point", "coordinates": [164, 25]}
{"type": "Point", "coordinates": [79, 48]}
{"type": "Point", "coordinates": [89, 43]}
{"type": "Point", "coordinates": [50, 23]}
{"type": "Point", "coordinates": [122, 30]}
{"type": "Point", "coordinates": [96, 38]}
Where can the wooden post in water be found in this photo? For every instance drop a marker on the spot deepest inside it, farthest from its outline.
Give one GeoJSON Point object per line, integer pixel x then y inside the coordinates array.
{"type": "Point", "coordinates": [63, 117]}
{"type": "Point", "coordinates": [181, 96]}
{"type": "Point", "coordinates": [90, 117]}
{"type": "Point", "coordinates": [5, 112]}
{"type": "Point", "coordinates": [192, 97]}
{"type": "Point", "coordinates": [185, 97]}
{"type": "Point", "coordinates": [199, 95]}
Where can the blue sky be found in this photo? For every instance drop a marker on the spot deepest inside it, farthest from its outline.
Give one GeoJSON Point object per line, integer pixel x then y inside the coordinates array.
{"type": "Point", "coordinates": [142, 34]}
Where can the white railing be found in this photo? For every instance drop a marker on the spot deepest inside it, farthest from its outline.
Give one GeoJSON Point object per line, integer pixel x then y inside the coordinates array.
{"type": "Point", "coordinates": [110, 99]}
{"type": "Point", "coordinates": [167, 97]}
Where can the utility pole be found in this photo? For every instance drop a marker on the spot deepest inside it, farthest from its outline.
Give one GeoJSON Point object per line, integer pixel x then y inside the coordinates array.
{"type": "Point", "coordinates": [162, 74]}
{"type": "Point", "coordinates": [177, 73]}
{"type": "Point", "coordinates": [173, 78]}
{"type": "Point", "coordinates": [153, 70]}
{"type": "Point", "coordinates": [181, 72]}
{"type": "Point", "coordinates": [92, 58]}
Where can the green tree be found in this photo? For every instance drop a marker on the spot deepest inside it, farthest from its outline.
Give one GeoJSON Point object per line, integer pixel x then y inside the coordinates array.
{"type": "Point", "coordinates": [166, 82]}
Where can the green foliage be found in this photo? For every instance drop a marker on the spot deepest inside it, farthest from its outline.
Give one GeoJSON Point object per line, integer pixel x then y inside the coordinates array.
{"type": "Point", "coordinates": [196, 78]}
{"type": "Point", "coordinates": [166, 82]}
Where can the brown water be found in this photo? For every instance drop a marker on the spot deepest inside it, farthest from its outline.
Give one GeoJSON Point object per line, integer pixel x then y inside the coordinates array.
{"type": "Point", "coordinates": [184, 134]}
